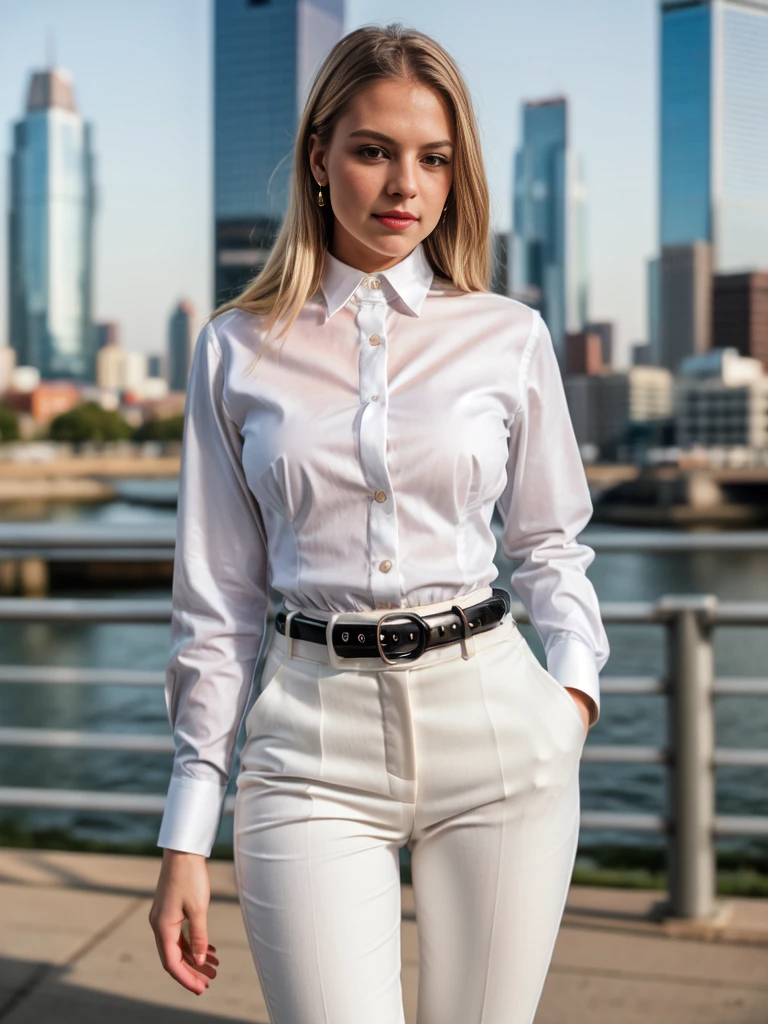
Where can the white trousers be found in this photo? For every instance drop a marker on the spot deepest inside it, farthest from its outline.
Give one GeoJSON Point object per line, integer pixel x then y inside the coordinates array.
{"type": "Point", "coordinates": [470, 758]}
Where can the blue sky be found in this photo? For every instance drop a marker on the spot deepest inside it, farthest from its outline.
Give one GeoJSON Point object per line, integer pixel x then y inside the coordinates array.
{"type": "Point", "coordinates": [142, 75]}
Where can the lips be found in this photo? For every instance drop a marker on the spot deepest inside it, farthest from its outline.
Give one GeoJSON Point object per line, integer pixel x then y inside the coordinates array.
{"type": "Point", "coordinates": [396, 215]}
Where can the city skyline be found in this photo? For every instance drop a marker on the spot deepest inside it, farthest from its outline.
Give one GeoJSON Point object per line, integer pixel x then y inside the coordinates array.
{"type": "Point", "coordinates": [157, 199]}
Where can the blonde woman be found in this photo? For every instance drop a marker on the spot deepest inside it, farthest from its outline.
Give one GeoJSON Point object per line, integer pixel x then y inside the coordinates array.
{"type": "Point", "coordinates": [353, 417]}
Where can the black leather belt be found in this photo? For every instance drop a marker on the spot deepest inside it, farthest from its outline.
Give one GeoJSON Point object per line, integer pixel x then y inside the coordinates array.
{"type": "Point", "coordinates": [401, 635]}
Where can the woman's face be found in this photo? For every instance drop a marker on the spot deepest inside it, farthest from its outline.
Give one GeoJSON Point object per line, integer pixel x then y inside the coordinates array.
{"type": "Point", "coordinates": [391, 150]}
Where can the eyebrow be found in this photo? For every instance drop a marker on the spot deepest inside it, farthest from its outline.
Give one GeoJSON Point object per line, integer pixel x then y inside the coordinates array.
{"type": "Point", "coordinates": [386, 138]}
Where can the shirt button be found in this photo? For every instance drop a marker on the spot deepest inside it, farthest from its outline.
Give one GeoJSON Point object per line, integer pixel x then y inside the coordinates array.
{"type": "Point", "coordinates": [374, 398]}
{"type": "Point", "coordinates": [381, 495]}
{"type": "Point", "coordinates": [374, 282]}
{"type": "Point", "coordinates": [386, 565]}
{"type": "Point", "coordinates": [375, 339]}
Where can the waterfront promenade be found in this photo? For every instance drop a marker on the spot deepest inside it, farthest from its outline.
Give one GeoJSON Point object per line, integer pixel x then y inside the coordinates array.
{"type": "Point", "coordinates": [76, 946]}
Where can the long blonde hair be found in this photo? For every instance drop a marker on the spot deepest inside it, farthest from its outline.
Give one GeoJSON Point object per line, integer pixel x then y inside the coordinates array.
{"type": "Point", "coordinates": [459, 247]}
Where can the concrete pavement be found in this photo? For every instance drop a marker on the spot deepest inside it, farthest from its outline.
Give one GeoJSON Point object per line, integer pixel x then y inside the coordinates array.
{"type": "Point", "coordinates": [76, 945]}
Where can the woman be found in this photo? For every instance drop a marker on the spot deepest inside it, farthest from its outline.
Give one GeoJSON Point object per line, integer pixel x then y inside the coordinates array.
{"type": "Point", "coordinates": [355, 467]}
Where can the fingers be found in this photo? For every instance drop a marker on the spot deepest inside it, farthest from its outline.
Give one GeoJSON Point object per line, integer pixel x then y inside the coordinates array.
{"type": "Point", "coordinates": [168, 939]}
{"type": "Point", "coordinates": [198, 935]}
{"type": "Point", "coordinates": [211, 962]}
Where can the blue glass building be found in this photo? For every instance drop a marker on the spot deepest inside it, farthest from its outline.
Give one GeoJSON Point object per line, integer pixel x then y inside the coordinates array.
{"type": "Point", "coordinates": [547, 263]}
{"type": "Point", "coordinates": [266, 53]}
{"type": "Point", "coordinates": [52, 203]}
{"type": "Point", "coordinates": [714, 129]}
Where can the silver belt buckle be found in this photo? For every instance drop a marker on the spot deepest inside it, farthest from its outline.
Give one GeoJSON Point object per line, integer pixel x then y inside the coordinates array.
{"type": "Point", "coordinates": [365, 661]}
{"type": "Point", "coordinates": [423, 634]}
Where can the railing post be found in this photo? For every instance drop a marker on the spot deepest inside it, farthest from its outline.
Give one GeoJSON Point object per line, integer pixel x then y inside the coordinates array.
{"type": "Point", "coordinates": [691, 732]}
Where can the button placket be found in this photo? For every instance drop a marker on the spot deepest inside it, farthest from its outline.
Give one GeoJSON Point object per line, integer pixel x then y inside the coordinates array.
{"type": "Point", "coordinates": [382, 525]}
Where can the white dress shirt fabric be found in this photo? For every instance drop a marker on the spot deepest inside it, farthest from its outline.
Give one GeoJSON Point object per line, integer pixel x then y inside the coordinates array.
{"type": "Point", "coordinates": [358, 470]}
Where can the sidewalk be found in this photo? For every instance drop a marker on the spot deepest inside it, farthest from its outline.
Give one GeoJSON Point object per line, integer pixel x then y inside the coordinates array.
{"type": "Point", "coordinates": [76, 946]}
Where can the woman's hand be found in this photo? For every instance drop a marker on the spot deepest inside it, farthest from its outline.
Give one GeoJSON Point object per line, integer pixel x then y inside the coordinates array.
{"type": "Point", "coordinates": [583, 702]}
{"type": "Point", "coordinates": [184, 891]}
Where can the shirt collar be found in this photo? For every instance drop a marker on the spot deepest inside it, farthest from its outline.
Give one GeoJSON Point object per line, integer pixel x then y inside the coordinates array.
{"type": "Point", "coordinates": [410, 280]}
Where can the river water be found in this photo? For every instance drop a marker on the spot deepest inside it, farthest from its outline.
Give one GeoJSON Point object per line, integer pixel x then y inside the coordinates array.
{"type": "Point", "coordinates": [635, 650]}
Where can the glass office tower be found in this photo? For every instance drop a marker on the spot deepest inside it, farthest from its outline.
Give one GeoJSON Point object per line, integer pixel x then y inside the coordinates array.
{"type": "Point", "coordinates": [265, 55]}
{"type": "Point", "coordinates": [52, 203]}
{"type": "Point", "coordinates": [547, 263]}
{"type": "Point", "coordinates": [714, 129]}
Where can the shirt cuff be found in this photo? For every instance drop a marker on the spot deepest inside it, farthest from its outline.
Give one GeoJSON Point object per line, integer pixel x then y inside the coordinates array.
{"type": "Point", "coordinates": [191, 816]}
{"type": "Point", "coordinates": [572, 663]}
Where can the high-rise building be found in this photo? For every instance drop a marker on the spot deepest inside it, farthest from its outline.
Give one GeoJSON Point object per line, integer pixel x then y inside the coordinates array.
{"type": "Point", "coordinates": [106, 333]}
{"type": "Point", "coordinates": [740, 314]}
{"type": "Point", "coordinates": [686, 302]}
{"type": "Point", "coordinates": [52, 204]}
{"type": "Point", "coordinates": [641, 354]}
{"type": "Point", "coordinates": [584, 353]}
{"type": "Point", "coordinates": [721, 399]}
{"type": "Point", "coordinates": [609, 410]}
{"type": "Point", "coordinates": [547, 263]}
{"type": "Point", "coordinates": [653, 309]}
{"type": "Point", "coordinates": [499, 265]}
{"type": "Point", "coordinates": [603, 328]}
{"type": "Point", "coordinates": [714, 129]}
{"type": "Point", "coordinates": [266, 53]}
{"type": "Point", "coordinates": [181, 342]}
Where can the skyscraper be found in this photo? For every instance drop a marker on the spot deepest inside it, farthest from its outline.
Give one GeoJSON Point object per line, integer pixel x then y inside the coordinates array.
{"type": "Point", "coordinates": [714, 129]}
{"type": "Point", "coordinates": [547, 264]}
{"type": "Point", "coordinates": [181, 342]}
{"type": "Point", "coordinates": [685, 313]}
{"type": "Point", "coordinates": [52, 204]}
{"type": "Point", "coordinates": [265, 55]}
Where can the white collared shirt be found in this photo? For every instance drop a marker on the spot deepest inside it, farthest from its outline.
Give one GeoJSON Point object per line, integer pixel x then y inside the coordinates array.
{"type": "Point", "coordinates": [357, 471]}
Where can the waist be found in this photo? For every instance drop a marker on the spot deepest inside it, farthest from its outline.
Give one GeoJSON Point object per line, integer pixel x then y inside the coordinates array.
{"type": "Point", "coordinates": [374, 614]}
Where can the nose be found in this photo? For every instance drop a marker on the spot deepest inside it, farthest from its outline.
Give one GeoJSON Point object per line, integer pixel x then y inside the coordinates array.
{"type": "Point", "coordinates": [403, 179]}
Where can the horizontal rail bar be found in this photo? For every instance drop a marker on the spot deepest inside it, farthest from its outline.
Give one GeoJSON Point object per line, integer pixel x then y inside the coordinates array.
{"type": "Point", "coordinates": [85, 554]}
{"type": "Point", "coordinates": [740, 686]}
{"type": "Point", "coordinates": [724, 613]}
{"type": "Point", "coordinates": [155, 610]}
{"type": "Point", "coordinates": [738, 757]}
{"type": "Point", "coordinates": [620, 820]}
{"type": "Point", "coordinates": [85, 609]}
{"type": "Point", "coordinates": [102, 535]}
{"type": "Point", "coordinates": [735, 825]}
{"type": "Point", "coordinates": [674, 540]}
{"type": "Point", "coordinates": [629, 753]}
{"type": "Point", "coordinates": [29, 539]}
{"type": "Point", "coordinates": [141, 803]}
{"type": "Point", "coordinates": [82, 740]}
{"type": "Point", "coordinates": [631, 685]}
{"type": "Point", "coordinates": [30, 797]}
{"type": "Point", "coordinates": [67, 675]}
{"type": "Point", "coordinates": [81, 800]}
{"type": "Point", "coordinates": [86, 535]}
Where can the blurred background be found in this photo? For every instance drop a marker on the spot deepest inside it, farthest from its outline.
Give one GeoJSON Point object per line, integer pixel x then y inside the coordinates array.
{"type": "Point", "coordinates": [146, 156]}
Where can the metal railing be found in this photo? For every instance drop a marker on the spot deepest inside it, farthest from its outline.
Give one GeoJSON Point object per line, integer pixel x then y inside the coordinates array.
{"type": "Point", "coordinates": [690, 824]}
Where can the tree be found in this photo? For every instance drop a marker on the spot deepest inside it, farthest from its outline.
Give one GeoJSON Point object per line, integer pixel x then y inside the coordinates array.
{"type": "Point", "coordinates": [168, 429]}
{"type": "Point", "coordinates": [89, 422]}
{"type": "Point", "coordinates": [9, 424]}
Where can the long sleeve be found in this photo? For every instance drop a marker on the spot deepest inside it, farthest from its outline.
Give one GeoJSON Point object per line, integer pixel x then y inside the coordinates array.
{"type": "Point", "coordinates": [219, 603]}
{"type": "Point", "coordinates": [545, 505]}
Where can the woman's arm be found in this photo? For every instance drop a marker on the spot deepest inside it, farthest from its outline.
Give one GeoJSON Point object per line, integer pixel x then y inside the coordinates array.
{"type": "Point", "coordinates": [545, 504]}
{"type": "Point", "coordinates": [220, 597]}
